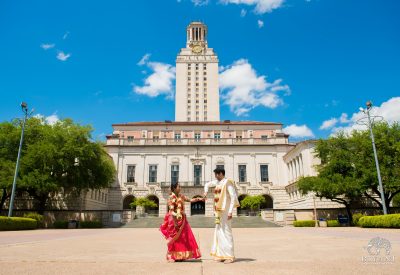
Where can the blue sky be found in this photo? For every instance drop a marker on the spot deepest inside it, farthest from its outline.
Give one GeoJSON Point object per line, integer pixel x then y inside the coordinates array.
{"type": "Point", "coordinates": [79, 59]}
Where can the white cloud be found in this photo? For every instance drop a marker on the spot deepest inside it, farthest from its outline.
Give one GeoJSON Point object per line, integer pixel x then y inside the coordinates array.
{"type": "Point", "coordinates": [344, 118]}
{"type": "Point", "coordinates": [144, 59]}
{"type": "Point", "coordinates": [244, 90]}
{"type": "Point", "coordinates": [200, 2]}
{"type": "Point", "coordinates": [45, 46]}
{"type": "Point", "coordinates": [62, 56]}
{"type": "Point", "coordinates": [327, 124]}
{"type": "Point", "coordinates": [260, 23]}
{"type": "Point", "coordinates": [243, 13]}
{"type": "Point", "coordinates": [66, 34]}
{"type": "Point", "coordinates": [261, 6]}
{"type": "Point", "coordinates": [389, 110]}
{"type": "Point", "coordinates": [159, 82]}
{"type": "Point", "coordinates": [51, 120]}
{"type": "Point", "coordinates": [298, 131]}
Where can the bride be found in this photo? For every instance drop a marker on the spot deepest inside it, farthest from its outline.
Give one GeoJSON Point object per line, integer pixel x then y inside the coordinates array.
{"type": "Point", "coordinates": [176, 229]}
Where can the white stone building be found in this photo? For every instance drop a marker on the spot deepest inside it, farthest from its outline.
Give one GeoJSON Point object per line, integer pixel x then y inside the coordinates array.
{"type": "Point", "coordinates": [256, 155]}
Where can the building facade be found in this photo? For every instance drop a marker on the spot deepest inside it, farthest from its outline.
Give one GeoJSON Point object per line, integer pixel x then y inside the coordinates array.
{"type": "Point", "coordinates": [258, 156]}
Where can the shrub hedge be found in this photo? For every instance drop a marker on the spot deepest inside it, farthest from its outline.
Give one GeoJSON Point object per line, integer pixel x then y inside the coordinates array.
{"type": "Point", "coordinates": [333, 223]}
{"type": "Point", "coordinates": [60, 224]}
{"type": "Point", "coordinates": [381, 221]}
{"type": "Point", "coordinates": [356, 218]}
{"type": "Point", "coordinates": [91, 224]}
{"type": "Point", "coordinates": [305, 223]}
{"type": "Point", "coordinates": [35, 216]}
{"type": "Point", "coordinates": [17, 223]}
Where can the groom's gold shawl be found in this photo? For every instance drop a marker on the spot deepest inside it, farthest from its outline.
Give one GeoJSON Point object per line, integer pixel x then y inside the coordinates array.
{"type": "Point", "coordinates": [221, 204]}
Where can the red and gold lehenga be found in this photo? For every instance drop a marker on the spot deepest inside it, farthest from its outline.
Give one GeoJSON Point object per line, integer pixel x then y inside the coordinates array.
{"type": "Point", "coordinates": [176, 230]}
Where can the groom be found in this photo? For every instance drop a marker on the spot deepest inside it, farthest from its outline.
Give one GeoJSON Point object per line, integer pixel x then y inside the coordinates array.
{"type": "Point", "coordinates": [225, 200]}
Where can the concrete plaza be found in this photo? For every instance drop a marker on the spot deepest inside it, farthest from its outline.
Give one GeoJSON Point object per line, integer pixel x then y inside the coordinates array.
{"type": "Point", "coordinates": [277, 250]}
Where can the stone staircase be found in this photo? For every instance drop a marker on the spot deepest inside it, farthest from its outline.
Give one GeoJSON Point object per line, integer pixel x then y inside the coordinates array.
{"type": "Point", "coordinates": [202, 222]}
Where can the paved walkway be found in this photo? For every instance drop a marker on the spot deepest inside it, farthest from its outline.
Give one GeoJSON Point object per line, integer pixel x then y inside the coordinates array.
{"type": "Point", "coordinates": [280, 250]}
{"type": "Point", "coordinates": [203, 222]}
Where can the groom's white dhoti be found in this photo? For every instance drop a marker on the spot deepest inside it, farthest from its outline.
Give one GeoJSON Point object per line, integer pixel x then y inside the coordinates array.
{"type": "Point", "coordinates": [225, 200]}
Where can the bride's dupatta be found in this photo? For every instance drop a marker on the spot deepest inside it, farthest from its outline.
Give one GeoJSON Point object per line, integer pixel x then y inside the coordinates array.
{"type": "Point", "coordinates": [175, 228]}
{"type": "Point", "coordinates": [174, 221]}
{"type": "Point", "coordinates": [177, 232]}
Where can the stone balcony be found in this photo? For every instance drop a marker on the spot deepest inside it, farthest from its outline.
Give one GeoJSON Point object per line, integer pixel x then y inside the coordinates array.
{"type": "Point", "coordinates": [185, 184]}
{"type": "Point", "coordinates": [194, 141]}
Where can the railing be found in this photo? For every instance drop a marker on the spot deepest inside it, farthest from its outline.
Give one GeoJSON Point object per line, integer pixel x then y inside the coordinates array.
{"type": "Point", "coordinates": [185, 184]}
{"type": "Point", "coordinates": [195, 141]}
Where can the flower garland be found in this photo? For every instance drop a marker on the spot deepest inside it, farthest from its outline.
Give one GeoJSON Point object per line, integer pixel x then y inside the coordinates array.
{"type": "Point", "coordinates": [217, 193]}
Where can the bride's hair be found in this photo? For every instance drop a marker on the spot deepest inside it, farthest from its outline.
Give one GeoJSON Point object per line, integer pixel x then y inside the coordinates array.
{"type": "Point", "coordinates": [174, 185]}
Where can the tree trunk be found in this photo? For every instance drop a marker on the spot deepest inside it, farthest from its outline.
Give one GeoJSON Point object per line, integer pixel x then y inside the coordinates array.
{"type": "Point", "coordinates": [348, 211]}
{"type": "Point", "coordinates": [4, 197]}
{"type": "Point", "coordinates": [42, 202]}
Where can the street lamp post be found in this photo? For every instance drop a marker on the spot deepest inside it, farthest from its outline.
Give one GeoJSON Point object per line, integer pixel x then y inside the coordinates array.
{"type": "Point", "coordinates": [24, 107]}
{"type": "Point", "coordinates": [369, 124]}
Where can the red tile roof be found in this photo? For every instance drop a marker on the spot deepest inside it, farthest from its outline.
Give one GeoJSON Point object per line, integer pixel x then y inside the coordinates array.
{"type": "Point", "coordinates": [224, 122]}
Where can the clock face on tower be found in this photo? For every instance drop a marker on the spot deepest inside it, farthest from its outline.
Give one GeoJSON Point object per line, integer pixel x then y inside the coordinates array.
{"type": "Point", "coordinates": [197, 48]}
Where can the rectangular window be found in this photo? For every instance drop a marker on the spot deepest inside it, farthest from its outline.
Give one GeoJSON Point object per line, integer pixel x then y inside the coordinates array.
{"type": "Point", "coordinates": [220, 166]}
{"type": "Point", "coordinates": [197, 136]}
{"type": "Point", "coordinates": [264, 172]}
{"type": "Point", "coordinates": [130, 173]}
{"type": "Point", "coordinates": [242, 173]}
{"type": "Point", "coordinates": [177, 136]}
{"type": "Point", "coordinates": [264, 137]}
{"type": "Point", "coordinates": [152, 173]}
{"type": "Point", "coordinates": [217, 135]}
{"type": "Point", "coordinates": [197, 175]}
{"type": "Point", "coordinates": [174, 173]}
{"type": "Point", "coordinates": [130, 138]}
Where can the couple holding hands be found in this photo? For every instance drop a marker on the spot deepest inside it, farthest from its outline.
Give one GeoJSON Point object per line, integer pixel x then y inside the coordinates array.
{"type": "Point", "coordinates": [181, 242]}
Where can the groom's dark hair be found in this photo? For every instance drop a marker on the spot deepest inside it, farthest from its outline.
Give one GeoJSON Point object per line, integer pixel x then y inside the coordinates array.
{"type": "Point", "coordinates": [219, 171]}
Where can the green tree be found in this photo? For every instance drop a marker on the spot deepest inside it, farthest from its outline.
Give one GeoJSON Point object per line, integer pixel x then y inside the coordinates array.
{"type": "Point", "coordinates": [144, 202]}
{"type": "Point", "coordinates": [347, 172]}
{"type": "Point", "coordinates": [387, 140]}
{"type": "Point", "coordinates": [336, 180]}
{"type": "Point", "coordinates": [59, 158]}
{"type": "Point", "coordinates": [10, 133]}
{"type": "Point", "coordinates": [252, 202]}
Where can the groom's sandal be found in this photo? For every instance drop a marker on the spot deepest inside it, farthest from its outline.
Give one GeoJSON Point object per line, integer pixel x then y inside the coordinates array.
{"type": "Point", "coordinates": [229, 261]}
{"type": "Point", "coordinates": [218, 260]}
